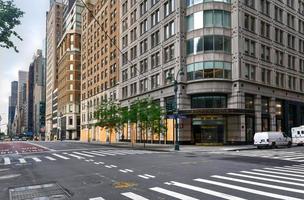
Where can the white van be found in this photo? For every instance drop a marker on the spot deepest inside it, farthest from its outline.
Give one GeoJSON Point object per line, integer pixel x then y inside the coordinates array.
{"type": "Point", "coordinates": [297, 135]}
{"type": "Point", "coordinates": [271, 139]}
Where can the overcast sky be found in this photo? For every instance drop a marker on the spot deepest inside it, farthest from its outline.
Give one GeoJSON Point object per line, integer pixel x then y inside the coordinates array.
{"type": "Point", "coordinates": [32, 30]}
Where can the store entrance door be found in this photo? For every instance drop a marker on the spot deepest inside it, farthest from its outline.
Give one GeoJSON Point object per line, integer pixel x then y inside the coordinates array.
{"type": "Point", "coordinates": [209, 129]}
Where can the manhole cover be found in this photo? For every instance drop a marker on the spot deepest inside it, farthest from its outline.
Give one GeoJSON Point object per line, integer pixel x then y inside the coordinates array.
{"type": "Point", "coordinates": [50, 191]}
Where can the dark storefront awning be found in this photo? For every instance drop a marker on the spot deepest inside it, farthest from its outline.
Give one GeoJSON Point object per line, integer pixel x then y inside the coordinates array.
{"type": "Point", "coordinates": [217, 111]}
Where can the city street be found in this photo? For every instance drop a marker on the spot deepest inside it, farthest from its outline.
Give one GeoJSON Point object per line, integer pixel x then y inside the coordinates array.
{"type": "Point", "coordinates": [73, 170]}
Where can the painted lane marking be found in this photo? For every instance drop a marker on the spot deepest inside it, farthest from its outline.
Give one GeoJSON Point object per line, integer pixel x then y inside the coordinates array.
{"type": "Point", "coordinates": [93, 153]}
{"type": "Point", "coordinates": [50, 158]}
{"type": "Point", "coordinates": [36, 159]}
{"type": "Point", "coordinates": [294, 158]}
{"type": "Point", "coordinates": [244, 189]}
{"type": "Point", "coordinates": [273, 176]}
{"type": "Point", "coordinates": [123, 171]}
{"type": "Point", "coordinates": [9, 176]}
{"type": "Point", "coordinates": [129, 170]}
{"type": "Point", "coordinates": [281, 173]}
{"type": "Point", "coordinates": [266, 179]}
{"type": "Point", "coordinates": [97, 198]}
{"type": "Point", "coordinates": [282, 170]}
{"type": "Point", "coordinates": [22, 160]}
{"type": "Point", "coordinates": [7, 161]}
{"type": "Point", "coordinates": [290, 168]}
{"type": "Point", "coordinates": [148, 175]}
{"type": "Point", "coordinates": [133, 196]}
{"type": "Point", "coordinates": [114, 166]}
{"type": "Point", "coordinates": [73, 155]}
{"type": "Point", "coordinates": [205, 191]}
{"type": "Point", "coordinates": [108, 166]}
{"type": "Point", "coordinates": [172, 194]}
{"type": "Point", "coordinates": [259, 184]}
{"type": "Point", "coordinates": [60, 156]}
{"type": "Point", "coordinates": [82, 154]}
{"type": "Point", "coordinates": [141, 176]}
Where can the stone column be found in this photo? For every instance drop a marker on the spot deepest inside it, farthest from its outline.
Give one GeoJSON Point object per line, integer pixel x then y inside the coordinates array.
{"type": "Point", "coordinates": [272, 112]}
{"type": "Point", "coordinates": [258, 113]}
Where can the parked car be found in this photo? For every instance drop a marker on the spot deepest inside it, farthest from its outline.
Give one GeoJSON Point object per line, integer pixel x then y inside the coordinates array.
{"type": "Point", "coordinates": [297, 135]}
{"type": "Point", "coordinates": [271, 139]}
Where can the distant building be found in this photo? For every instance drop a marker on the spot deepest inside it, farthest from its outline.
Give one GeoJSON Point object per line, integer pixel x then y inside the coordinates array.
{"type": "Point", "coordinates": [21, 109]}
{"type": "Point", "coordinates": [12, 105]}
{"type": "Point", "coordinates": [53, 35]}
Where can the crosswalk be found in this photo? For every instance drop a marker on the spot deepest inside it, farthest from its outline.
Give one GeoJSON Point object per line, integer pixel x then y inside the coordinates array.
{"type": "Point", "coordinates": [284, 182]}
{"type": "Point", "coordinates": [87, 155]}
{"type": "Point", "coordinates": [294, 156]}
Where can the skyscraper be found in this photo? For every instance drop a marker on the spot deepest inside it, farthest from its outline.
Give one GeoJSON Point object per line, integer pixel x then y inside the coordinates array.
{"type": "Point", "coordinates": [22, 115]}
{"type": "Point", "coordinates": [12, 105]}
{"type": "Point", "coordinates": [53, 36]}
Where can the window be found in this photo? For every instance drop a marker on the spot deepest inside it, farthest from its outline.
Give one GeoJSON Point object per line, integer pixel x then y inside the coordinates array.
{"type": "Point", "coordinates": [144, 46]}
{"type": "Point", "coordinates": [169, 29]}
{"type": "Point", "coordinates": [143, 26]}
{"type": "Point", "coordinates": [125, 41]}
{"type": "Point", "coordinates": [212, 18]}
{"type": "Point", "coordinates": [169, 7]}
{"type": "Point", "coordinates": [133, 17]}
{"type": "Point", "coordinates": [209, 101]}
{"type": "Point", "coordinates": [291, 41]}
{"type": "Point", "coordinates": [265, 4]}
{"type": "Point", "coordinates": [169, 53]}
{"type": "Point", "coordinates": [125, 8]}
{"type": "Point", "coordinates": [250, 47]}
{"type": "Point", "coordinates": [265, 53]}
{"type": "Point", "coordinates": [143, 87]}
{"type": "Point", "coordinates": [249, 101]}
{"type": "Point", "coordinates": [279, 57]}
{"type": "Point", "coordinates": [194, 2]}
{"type": "Point", "coordinates": [265, 105]}
{"type": "Point", "coordinates": [265, 29]}
{"type": "Point", "coordinates": [71, 121]}
{"type": "Point", "coordinates": [249, 22]}
{"type": "Point", "coordinates": [209, 69]}
{"type": "Point", "coordinates": [278, 14]}
{"type": "Point", "coordinates": [124, 75]}
{"type": "Point", "coordinates": [169, 76]}
{"type": "Point", "coordinates": [155, 82]}
{"type": "Point", "coordinates": [155, 18]}
{"type": "Point", "coordinates": [155, 60]}
{"type": "Point", "coordinates": [133, 34]}
{"type": "Point", "coordinates": [133, 52]}
{"type": "Point", "coordinates": [154, 39]}
{"type": "Point", "coordinates": [144, 66]}
{"type": "Point", "coordinates": [280, 80]}
{"type": "Point", "coordinates": [291, 62]}
{"type": "Point", "coordinates": [125, 92]}
{"type": "Point", "coordinates": [133, 89]}
{"type": "Point", "coordinates": [250, 71]}
{"type": "Point", "coordinates": [133, 71]}
{"type": "Point", "coordinates": [209, 43]}
{"type": "Point", "coordinates": [266, 75]}
{"type": "Point", "coordinates": [279, 35]}
{"type": "Point", "coordinates": [144, 7]}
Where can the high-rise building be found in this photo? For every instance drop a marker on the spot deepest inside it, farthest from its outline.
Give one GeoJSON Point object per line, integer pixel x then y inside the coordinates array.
{"type": "Point", "coordinates": [69, 71]}
{"type": "Point", "coordinates": [100, 61]}
{"type": "Point", "coordinates": [53, 35]}
{"type": "Point", "coordinates": [243, 65]}
{"type": "Point", "coordinates": [21, 109]}
{"type": "Point", "coordinates": [30, 99]}
{"type": "Point", "coordinates": [13, 101]}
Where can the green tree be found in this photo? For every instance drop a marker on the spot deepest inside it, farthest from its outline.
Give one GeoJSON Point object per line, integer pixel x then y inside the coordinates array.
{"type": "Point", "coordinates": [109, 116]}
{"type": "Point", "coordinates": [9, 18]}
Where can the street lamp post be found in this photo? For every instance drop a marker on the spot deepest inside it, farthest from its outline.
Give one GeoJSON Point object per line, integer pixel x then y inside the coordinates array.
{"type": "Point", "coordinates": [175, 81]}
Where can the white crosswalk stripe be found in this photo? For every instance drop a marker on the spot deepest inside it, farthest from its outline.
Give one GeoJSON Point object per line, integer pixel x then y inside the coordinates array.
{"type": "Point", "coordinates": [245, 189]}
{"type": "Point", "coordinates": [271, 154]}
{"type": "Point", "coordinates": [50, 158]}
{"type": "Point", "coordinates": [248, 184]}
{"type": "Point", "coordinates": [36, 159]}
{"type": "Point", "coordinates": [60, 156]}
{"type": "Point", "coordinates": [22, 160]}
{"type": "Point", "coordinates": [7, 161]}
{"type": "Point", "coordinates": [83, 154]}
{"type": "Point", "coordinates": [133, 196]}
{"type": "Point", "coordinates": [172, 194]}
{"type": "Point", "coordinates": [97, 198]}
{"type": "Point", "coordinates": [73, 155]}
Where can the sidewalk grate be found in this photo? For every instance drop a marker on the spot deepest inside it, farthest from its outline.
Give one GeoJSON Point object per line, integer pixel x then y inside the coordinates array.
{"type": "Point", "coordinates": [50, 191]}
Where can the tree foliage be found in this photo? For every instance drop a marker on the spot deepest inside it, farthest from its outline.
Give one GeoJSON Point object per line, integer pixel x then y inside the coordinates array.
{"type": "Point", "coordinates": [147, 114]}
{"type": "Point", "coordinates": [9, 18]}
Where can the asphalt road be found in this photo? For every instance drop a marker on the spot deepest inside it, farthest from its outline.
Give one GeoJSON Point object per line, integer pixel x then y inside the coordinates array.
{"type": "Point", "coordinates": [87, 171]}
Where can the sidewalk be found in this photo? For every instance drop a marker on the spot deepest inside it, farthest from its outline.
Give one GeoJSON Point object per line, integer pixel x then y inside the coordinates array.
{"type": "Point", "coordinates": [170, 147]}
